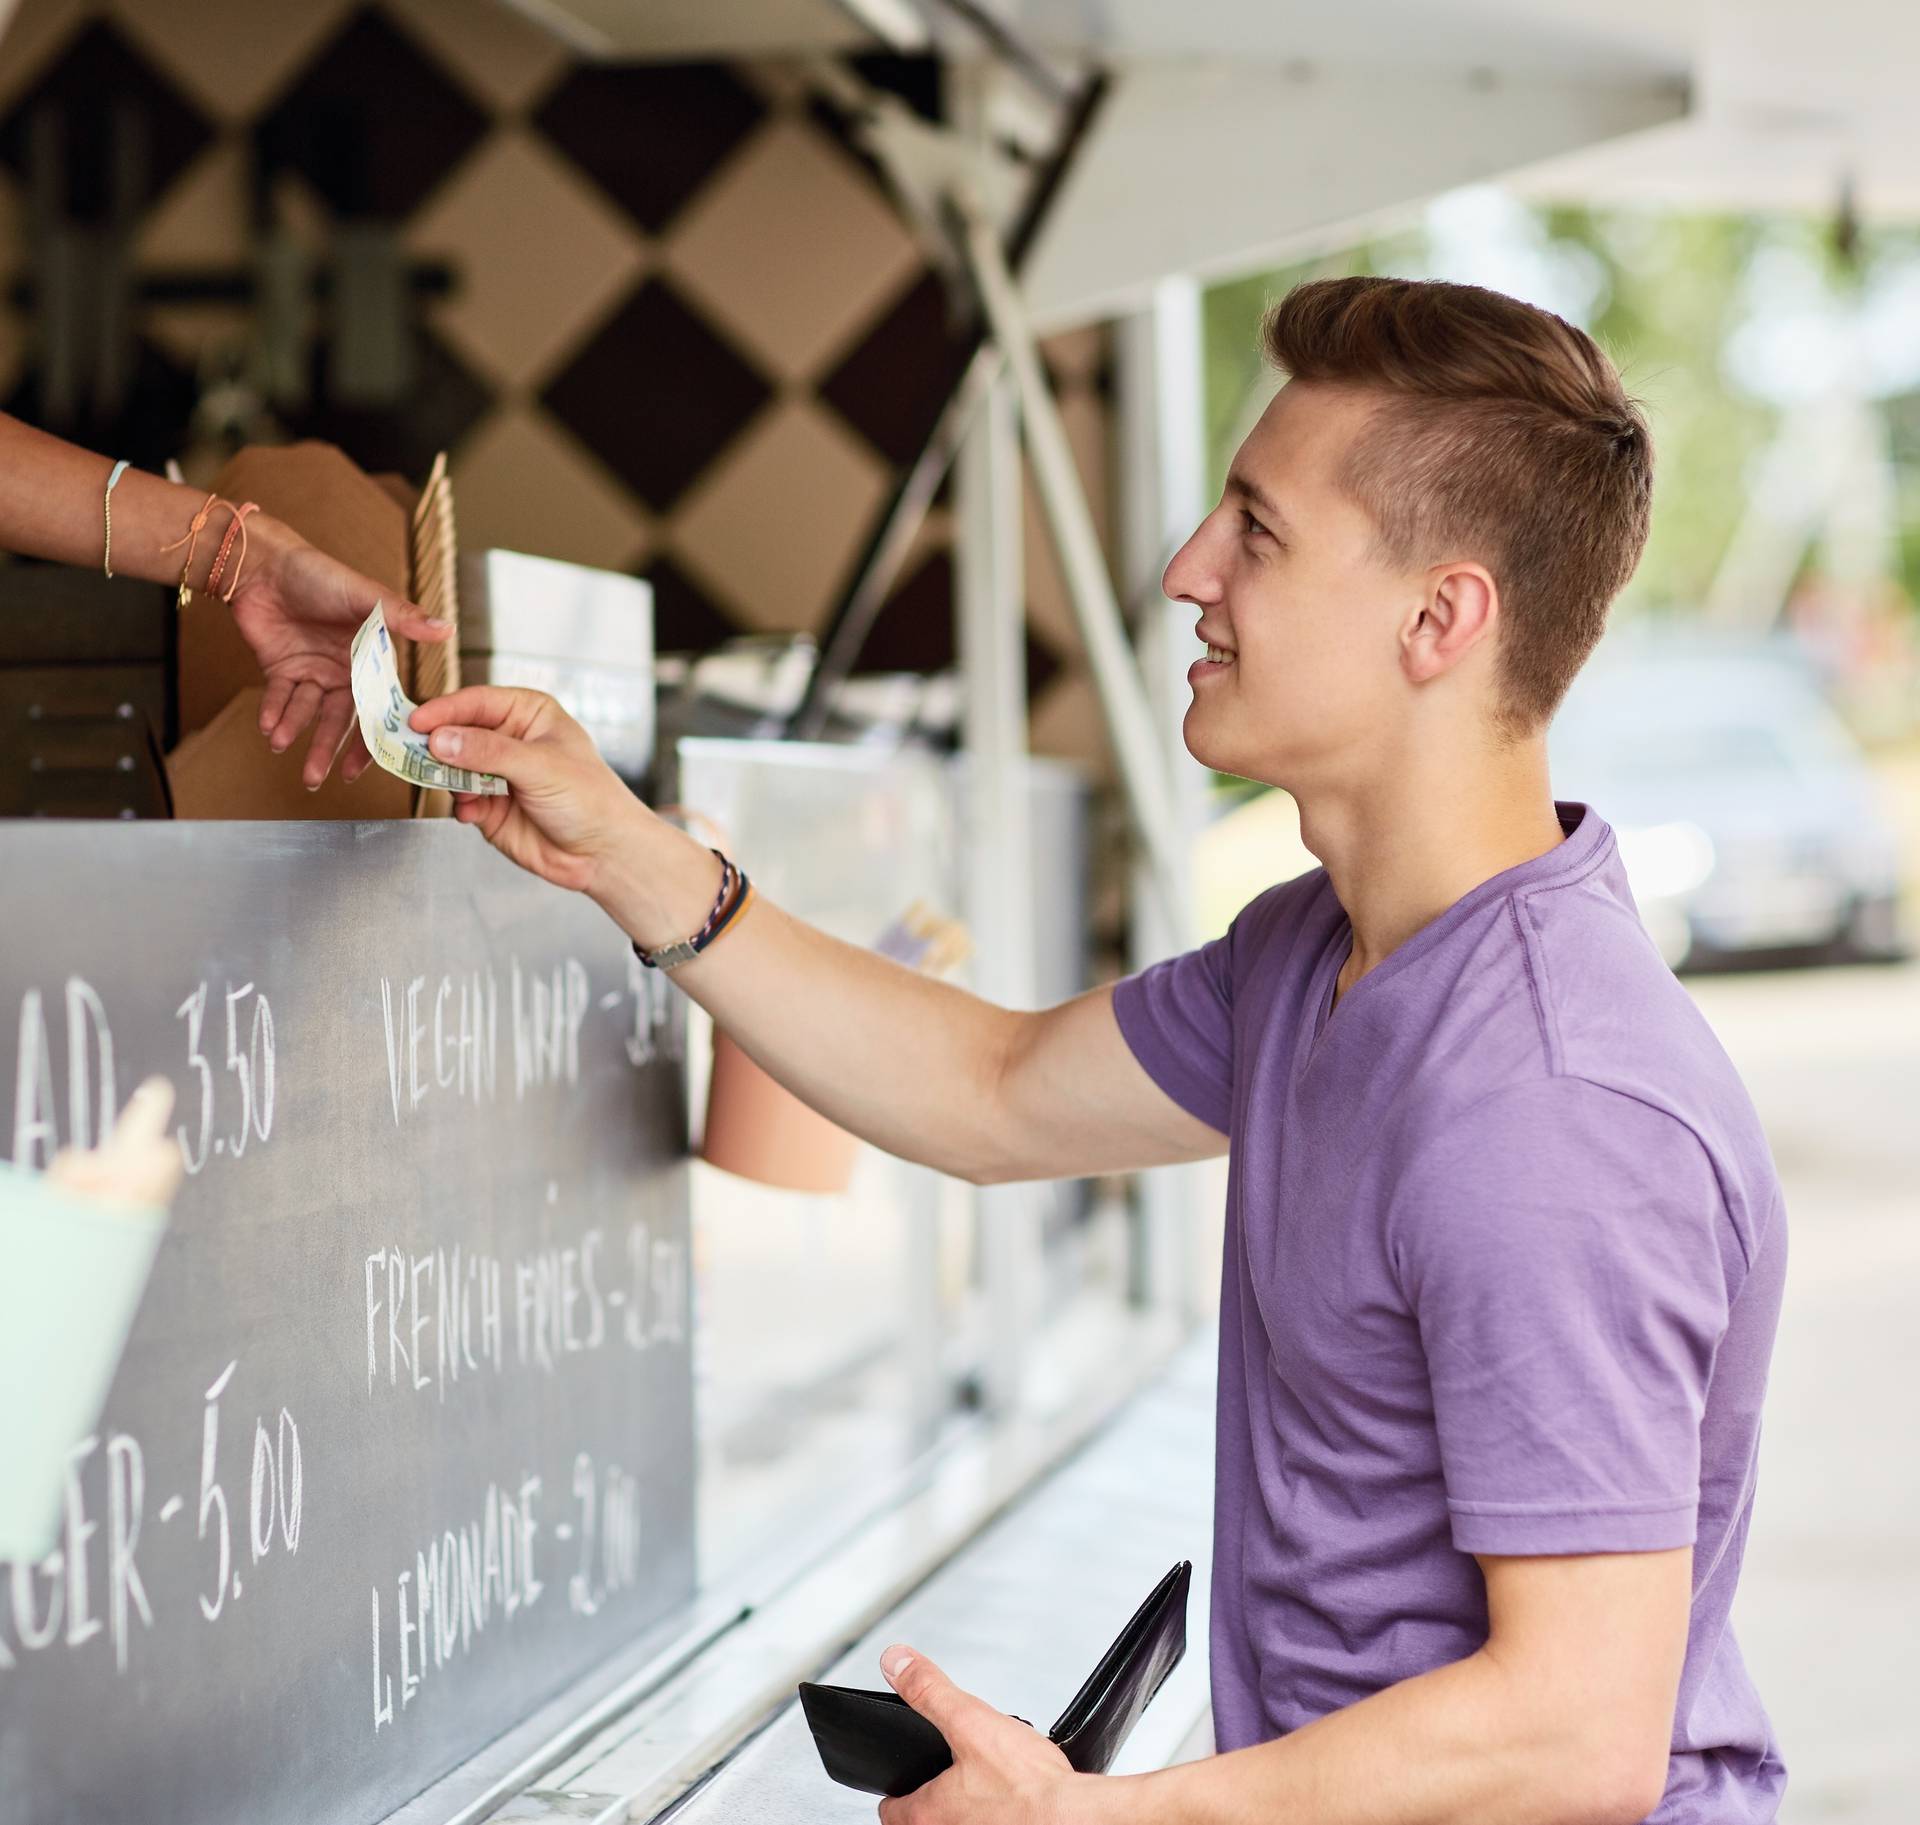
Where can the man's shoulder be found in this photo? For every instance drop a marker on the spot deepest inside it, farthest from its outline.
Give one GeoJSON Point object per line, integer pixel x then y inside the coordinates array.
{"type": "Point", "coordinates": [1612, 1027]}
{"type": "Point", "coordinates": [1610, 1010]}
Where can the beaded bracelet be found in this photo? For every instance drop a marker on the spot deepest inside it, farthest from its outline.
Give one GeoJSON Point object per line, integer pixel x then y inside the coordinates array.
{"type": "Point", "coordinates": [106, 507]}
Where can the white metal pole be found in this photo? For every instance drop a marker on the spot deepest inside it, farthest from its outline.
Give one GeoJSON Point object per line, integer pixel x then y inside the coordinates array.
{"type": "Point", "coordinates": [1130, 722]}
{"type": "Point", "coordinates": [1163, 478]}
{"type": "Point", "coordinates": [989, 578]}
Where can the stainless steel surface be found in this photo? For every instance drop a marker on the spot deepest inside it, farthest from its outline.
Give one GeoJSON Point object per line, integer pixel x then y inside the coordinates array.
{"type": "Point", "coordinates": [583, 636]}
{"type": "Point", "coordinates": [825, 1321]}
{"type": "Point", "coordinates": [1021, 1615]}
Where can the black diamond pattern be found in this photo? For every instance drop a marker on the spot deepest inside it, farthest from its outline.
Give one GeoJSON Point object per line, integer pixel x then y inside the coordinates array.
{"type": "Point", "coordinates": [914, 632]}
{"type": "Point", "coordinates": [916, 80]}
{"type": "Point", "coordinates": [656, 395]}
{"type": "Point", "coordinates": [373, 124]}
{"type": "Point", "coordinates": [445, 403]}
{"type": "Point", "coordinates": [893, 385]}
{"type": "Point", "coordinates": [650, 134]}
{"type": "Point", "coordinates": [1043, 665]}
{"type": "Point", "coordinates": [98, 81]}
{"type": "Point", "coordinates": [685, 618]}
{"type": "Point", "coordinates": [150, 425]}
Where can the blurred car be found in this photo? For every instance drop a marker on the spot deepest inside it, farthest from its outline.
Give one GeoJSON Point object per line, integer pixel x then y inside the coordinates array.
{"type": "Point", "coordinates": [1747, 817]}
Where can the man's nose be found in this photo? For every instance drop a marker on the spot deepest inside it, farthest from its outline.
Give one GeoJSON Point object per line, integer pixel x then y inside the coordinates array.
{"type": "Point", "coordinates": [1190, 575]}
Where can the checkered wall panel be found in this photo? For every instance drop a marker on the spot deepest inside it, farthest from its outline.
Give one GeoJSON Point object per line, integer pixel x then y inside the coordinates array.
{"type": "Point", "coordinates": [686, 333]}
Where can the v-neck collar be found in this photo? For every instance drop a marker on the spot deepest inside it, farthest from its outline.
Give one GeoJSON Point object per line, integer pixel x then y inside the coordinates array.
{"type": "Point", "coordinates": [1583, 831]}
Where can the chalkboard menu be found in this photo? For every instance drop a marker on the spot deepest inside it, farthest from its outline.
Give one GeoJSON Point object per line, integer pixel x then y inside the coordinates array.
{"type": "Point", "coordinates": [402, 1443]}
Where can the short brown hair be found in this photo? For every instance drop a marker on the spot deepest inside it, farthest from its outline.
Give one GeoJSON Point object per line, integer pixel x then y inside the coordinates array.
{"type": "Point", "coordinates": [1506, 436]}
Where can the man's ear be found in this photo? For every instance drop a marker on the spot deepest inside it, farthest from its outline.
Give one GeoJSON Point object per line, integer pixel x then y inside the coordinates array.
{"type": "Point", "coordinates": [1459, 609]}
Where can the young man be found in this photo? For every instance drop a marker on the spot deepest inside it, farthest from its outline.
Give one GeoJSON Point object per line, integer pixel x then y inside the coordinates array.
{"type": "Point", "coordinates": [1504, 1244]}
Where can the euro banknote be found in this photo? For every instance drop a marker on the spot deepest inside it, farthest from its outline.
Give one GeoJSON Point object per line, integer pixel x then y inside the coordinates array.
{"type": "Point", "coordinates": [385, 711]}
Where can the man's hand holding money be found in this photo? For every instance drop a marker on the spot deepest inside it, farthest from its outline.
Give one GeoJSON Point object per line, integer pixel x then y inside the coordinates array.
{"type": "Point", "coordinates": [568, 817]}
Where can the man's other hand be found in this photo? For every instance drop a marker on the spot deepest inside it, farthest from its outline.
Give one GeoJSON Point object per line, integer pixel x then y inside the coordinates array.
{"type": "Point", "coordinates": [1004, 1772]}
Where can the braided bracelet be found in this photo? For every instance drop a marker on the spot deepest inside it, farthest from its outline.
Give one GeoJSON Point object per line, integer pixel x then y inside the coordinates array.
{"type": "Point", "coordinates": [238, 524]}
{"type": "Point", "coordinates": [728, 904]}
{"type": "Point", "coordinates": [191, 539]}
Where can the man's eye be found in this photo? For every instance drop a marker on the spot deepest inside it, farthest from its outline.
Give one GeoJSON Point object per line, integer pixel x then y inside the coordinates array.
{"type": "Point", "coordinates": [1249, 524]}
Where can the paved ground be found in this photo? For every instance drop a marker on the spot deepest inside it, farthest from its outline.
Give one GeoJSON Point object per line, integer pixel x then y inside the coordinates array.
{"type": "Point", "coordinates": [1829, 1611]}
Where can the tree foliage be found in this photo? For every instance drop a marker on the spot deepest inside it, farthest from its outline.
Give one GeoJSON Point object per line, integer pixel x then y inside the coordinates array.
{"type": "Point", "coordinates": [1665, 294]}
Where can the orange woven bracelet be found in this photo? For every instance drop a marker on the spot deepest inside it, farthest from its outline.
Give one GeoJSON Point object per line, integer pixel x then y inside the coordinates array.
{"type": "Point", "coordinates": [191, 539]}
{"type": "Point", "coordinates": [238, 524]}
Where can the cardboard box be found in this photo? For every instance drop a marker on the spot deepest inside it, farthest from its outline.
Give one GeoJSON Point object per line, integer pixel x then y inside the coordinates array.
{"type": "Point", "coordinates": [226, 770]}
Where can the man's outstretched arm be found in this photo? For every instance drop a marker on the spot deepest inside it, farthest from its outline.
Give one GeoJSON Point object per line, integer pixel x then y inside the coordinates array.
{"type": "Point", "coordinates": [1564, 1717]}
{"type": "Point", "coordinates": [918, 1067]}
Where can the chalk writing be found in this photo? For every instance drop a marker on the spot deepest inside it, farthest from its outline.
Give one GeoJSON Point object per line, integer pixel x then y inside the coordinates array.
{"type": "Point", "coordinates": [55, 1600]}
{"type": "Point", "coordinates": [445, 1038]}
{"type": "Point", "coordinates": [91, 1090]}
{"type": "Point", "coordinates": [452, 1591]}
{"type": "Point", "coordinates": [656, 1032]}
{"type": "Point", "coordinates": [435, 1317]}
{"type": "Point", "coordinates": [91, 1095]}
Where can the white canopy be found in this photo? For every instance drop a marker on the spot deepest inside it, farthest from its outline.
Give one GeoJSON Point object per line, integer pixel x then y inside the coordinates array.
{"type": "Point", "coordinates": [1239, 131]}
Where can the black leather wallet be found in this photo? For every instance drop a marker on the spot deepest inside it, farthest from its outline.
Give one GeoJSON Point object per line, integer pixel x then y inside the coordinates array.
{"type": "Point", "coordinates": [877, 1742]}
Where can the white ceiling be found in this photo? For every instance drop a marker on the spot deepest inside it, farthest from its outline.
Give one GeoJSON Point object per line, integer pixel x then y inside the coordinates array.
{"type": "Point", "coordinates": [1791, 100]}
{"type": "Point", "coordinates": [1239, 130]}
{"type": "Point", "coordinates": [1214, 168]}
{"type": "Point", "coordinates": [1606, 39]}
{"type": "Point", "coordinates": [1788, 95]}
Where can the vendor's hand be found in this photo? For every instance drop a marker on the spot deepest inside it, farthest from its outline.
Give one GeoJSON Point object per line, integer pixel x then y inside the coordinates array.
{"type": "Point", "coordinates": [299, 610]}
{"type": "Point", "coordinates": [567, 812]}
{"type": "Point", "coordinates": [1004, 1772]}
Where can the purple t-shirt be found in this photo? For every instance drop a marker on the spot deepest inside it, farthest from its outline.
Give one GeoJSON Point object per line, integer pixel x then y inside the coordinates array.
{"type": "Point", "coordinates": [1504, 1253]}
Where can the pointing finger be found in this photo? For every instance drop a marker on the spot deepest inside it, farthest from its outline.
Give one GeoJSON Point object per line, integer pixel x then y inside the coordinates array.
{"type": "Point", "coordinates": [144, 1119]}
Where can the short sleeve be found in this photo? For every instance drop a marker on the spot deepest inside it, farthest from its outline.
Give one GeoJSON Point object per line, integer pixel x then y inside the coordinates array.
{"type": "Point", "coordinates": [1566, 1255]}
{"type": "Point", "coordinates": [1177, 1017]}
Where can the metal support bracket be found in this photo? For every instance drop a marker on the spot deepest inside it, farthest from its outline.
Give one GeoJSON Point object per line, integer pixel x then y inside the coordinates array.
{"type": "Point", "coordinates": [1123, 697]}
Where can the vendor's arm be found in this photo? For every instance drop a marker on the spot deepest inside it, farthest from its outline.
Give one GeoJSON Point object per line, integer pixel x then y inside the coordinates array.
{"type": "Point", "coordinates": [296, 607]}
{"type": "Point", "coordinates": [916, 1066]}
